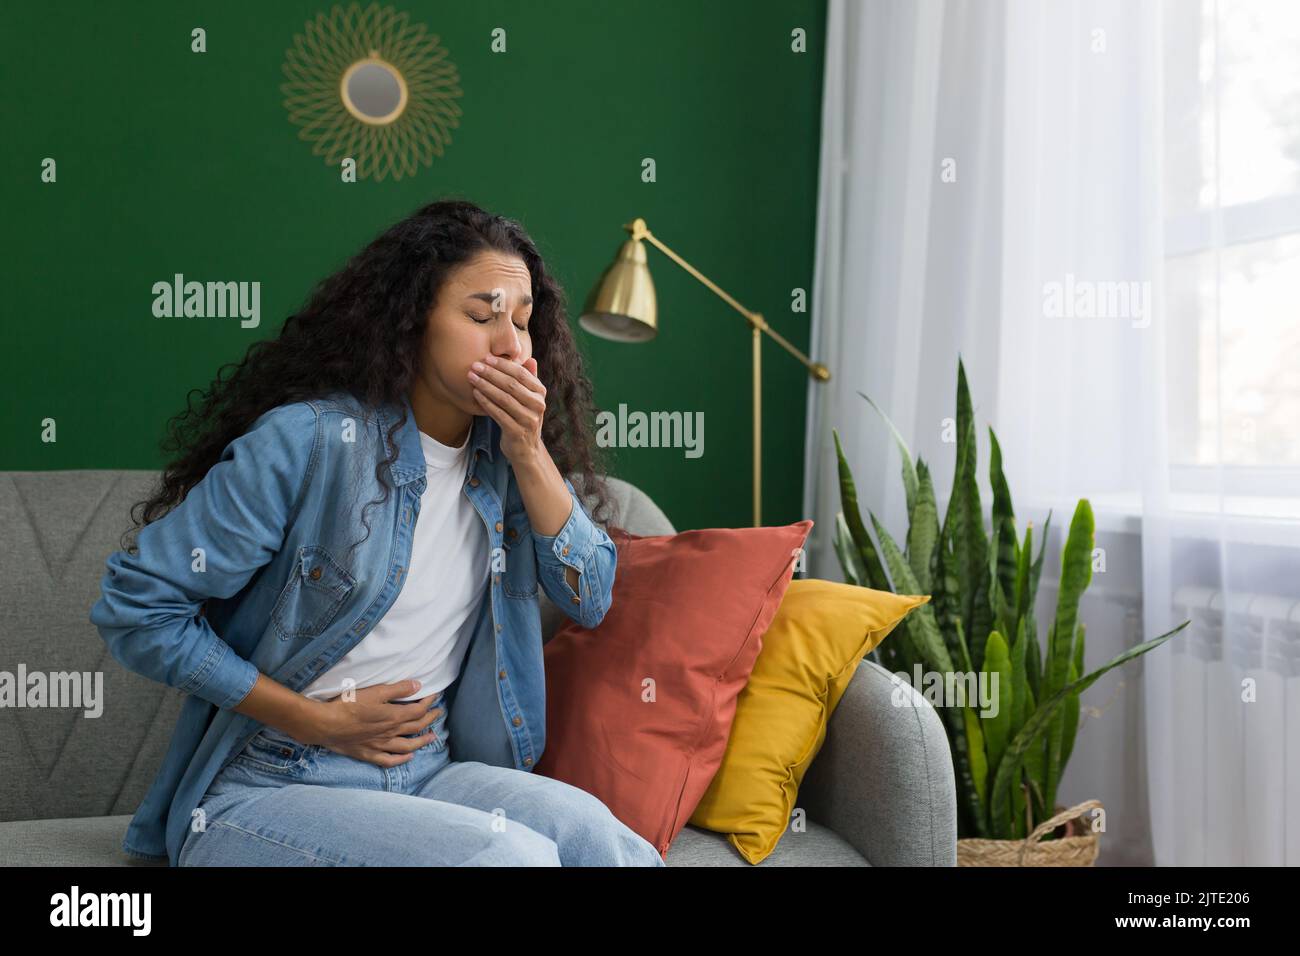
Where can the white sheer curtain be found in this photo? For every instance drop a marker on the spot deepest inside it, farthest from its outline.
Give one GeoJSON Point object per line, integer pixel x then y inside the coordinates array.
{"type": "Point", "coordinates": [1117, 260]}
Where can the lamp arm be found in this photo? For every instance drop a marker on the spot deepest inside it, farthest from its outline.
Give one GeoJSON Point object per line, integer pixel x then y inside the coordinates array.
{"type": "Point", "coordinates": [639, 230]}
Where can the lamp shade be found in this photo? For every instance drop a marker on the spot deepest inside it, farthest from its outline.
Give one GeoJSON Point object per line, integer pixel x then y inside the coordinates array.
{"type": "Point", "coordinates": [621, 306]}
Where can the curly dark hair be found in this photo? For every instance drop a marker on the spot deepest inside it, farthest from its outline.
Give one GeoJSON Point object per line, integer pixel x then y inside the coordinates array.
{"type": "Point", "coordinates": [361, 331]}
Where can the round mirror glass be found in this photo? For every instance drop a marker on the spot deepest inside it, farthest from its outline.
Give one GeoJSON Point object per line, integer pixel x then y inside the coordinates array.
{"type": "Point", "coordinates": [374, 91]}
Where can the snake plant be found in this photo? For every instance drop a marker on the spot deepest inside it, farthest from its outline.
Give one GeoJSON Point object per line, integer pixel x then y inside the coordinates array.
{"type": "Point", "coordinates": [980, 625]}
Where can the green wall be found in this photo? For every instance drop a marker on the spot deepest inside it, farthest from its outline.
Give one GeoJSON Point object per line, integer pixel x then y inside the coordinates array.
{"type": "Point", "coordinates": [173, 161]}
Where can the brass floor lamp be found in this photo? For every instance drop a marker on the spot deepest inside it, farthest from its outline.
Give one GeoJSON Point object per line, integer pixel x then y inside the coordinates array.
{"type": "Point", "coordinates": [622, 307]}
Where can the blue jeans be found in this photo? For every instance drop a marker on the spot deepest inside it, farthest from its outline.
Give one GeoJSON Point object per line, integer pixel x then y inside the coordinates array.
{"type": "Point", "coordinates": [280, 802]}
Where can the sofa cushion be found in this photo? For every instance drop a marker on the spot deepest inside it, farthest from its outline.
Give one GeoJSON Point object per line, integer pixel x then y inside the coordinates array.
{"type": "Point", "coordinates": [94, 841]}
{"type": "Point", "coordinates": [816, 846]}
{"type": "Point", "coordinates": [76, 841]}
{"type": "Point", "coordinates": [820, 635]}
{"type": "Point", "coordinates": [638, 709]}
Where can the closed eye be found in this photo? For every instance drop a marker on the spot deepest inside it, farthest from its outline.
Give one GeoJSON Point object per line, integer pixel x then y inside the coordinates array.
{"type": "Point", "coordinates": [485, 319]}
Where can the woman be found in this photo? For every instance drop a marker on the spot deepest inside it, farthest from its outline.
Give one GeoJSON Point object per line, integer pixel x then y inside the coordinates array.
{"type": "Point", "coordinates": [342, 567]}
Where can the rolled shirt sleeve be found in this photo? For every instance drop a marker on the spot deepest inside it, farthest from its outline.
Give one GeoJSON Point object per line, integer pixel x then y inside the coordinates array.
{"type": "Point", "coordinates": [230, 524]}
{"type": "Point", "coordinates": [583, 545]}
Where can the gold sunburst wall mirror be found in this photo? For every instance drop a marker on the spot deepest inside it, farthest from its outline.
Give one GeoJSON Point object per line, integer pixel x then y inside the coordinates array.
{"type": "Point", "coordinates": [374, 87]}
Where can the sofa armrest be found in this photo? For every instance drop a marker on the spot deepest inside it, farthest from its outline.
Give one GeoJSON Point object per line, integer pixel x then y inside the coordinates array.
{"type": "Point", "coordinates": [883, 779]}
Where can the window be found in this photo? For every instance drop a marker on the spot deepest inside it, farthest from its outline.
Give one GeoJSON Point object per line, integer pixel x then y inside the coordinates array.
{"type": "Point", "coordinates": [1232, 243]}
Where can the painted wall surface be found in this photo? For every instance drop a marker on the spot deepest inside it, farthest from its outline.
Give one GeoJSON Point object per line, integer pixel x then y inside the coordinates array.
{"type": "Point", "coordinates": [174, 161]}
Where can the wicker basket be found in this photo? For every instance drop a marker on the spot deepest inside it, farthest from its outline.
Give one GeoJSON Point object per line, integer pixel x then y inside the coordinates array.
{"type": "Point", "coordinates": [1069, 850]}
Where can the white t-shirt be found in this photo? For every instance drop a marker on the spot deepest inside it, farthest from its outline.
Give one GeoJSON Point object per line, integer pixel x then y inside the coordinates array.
{"type": "Point", "coordinates": [426, 633]}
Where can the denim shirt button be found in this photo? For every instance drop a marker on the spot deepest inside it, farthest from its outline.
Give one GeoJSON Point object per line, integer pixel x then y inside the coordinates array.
{"type": "Point", "coordinates": [473, 482]}
{"type": "Point", "coordinates": [498, 627]}
{"type": "Point", "coordinates": [501, 674]}
{"type": "Point", "coordinates": [565, 550]}
{"type": "Point", "coordinates": [499, 526]}
{"type": "Point", "coordinates": [528, 761]}
{"type": "Point", "coordinates": [576, 599]}
{"type": "Point", "coordinates": [517, 721]}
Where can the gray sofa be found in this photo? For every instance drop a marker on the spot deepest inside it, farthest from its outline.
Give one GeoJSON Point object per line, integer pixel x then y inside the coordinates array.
{"type": "Point", "coordinates": [881, 791]}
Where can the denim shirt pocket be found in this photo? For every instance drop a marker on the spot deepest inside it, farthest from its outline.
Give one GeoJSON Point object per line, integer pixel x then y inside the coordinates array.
{"type": "Point", "coordinates": [317, 587]}
{"type": "Point", "coordinates": [520, 578]}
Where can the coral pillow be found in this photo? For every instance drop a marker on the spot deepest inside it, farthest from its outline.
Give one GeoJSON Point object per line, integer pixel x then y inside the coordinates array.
{"type": "Point", "coordinates": [638, 709]}
{"type": "Point", "coordinates": [813, 648]}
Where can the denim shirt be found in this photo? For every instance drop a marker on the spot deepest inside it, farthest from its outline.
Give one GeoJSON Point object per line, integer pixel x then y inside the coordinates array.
{"type": "Point", "coordinates": [252, 572]}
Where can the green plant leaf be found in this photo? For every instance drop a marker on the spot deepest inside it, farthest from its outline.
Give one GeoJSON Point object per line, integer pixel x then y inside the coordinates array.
{"type": "Point", "coordinates": [1009, 769]}
{"type": "Point", "coordinates": [1033, 650]}
{"type": "Point", "coordinates": [923, 531]}
{"type": "Point", "coordinates": [875, 571]}
{"type": "Point", "coordinates": [1018, 829]}
{"type": "Point", "coordinates": [1002, 614]}
{"type": "Point", "coordinates": [997, 727]}
{"type": "Point", "coordinates": [963, 660]}
{"type": "Point", "coordinates": [1071, 708]}
{"type": "Point", "coordinates": [966, 518]}
{"type": "Point", "coordinates": [1004, 523]}
{"type": "Point", "coordinates": [1036, 757]}
{"type": "Point", "coordinates": [1020, 596]}
{"type": "Point", "coordinates": [972, 807]}
{"type": "Point", "coordinates": [979, 763]}
{"type": "Point", "coordinates": [927, 641]}
{"type": "Point", "coordinates": [928, 646]}
{"type": "Point", "coordinates": [1076, 574]}
{"type": "Point", "coordinates": [1020, 704]}
{"type": "Point", "coordinates": [909, 470]}
{"type": "Point", "coordinates": [947, 611]}
{"type": "Point", "coordinates": [1038, 811]}
{"type": "Point", "coordinates": [1033, 656]}
{"type": "Point", "coordinates": [847, 552]}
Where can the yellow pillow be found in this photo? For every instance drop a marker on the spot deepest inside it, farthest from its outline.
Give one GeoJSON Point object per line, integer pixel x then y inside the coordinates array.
{"type": "Point", "coordinates": [812, 649]}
